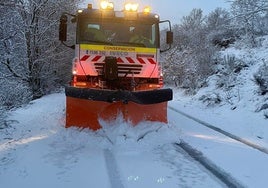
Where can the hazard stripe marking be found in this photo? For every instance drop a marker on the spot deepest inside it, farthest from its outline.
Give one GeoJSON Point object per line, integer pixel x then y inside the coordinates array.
{"type": "Point", "coordinates": [141, 60]}
{"type": "Point", "coordinates": [96, 58]}
{"type": "Point", "coordinates": [130, 60]}
{"type": "Point", "coordinates": [119, 60]}
{"type": "Point", "coordinates": [152, 61]}
{"type": "Point", "coordinates": [84, 58]}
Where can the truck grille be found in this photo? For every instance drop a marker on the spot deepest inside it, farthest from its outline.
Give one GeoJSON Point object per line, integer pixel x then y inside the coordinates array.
{"type": "Point", "coordinates": [123, 69]}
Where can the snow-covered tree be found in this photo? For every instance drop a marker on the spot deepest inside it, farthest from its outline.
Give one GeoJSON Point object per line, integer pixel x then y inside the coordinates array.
{"type": "Point", "coordinates": [191, 59]}
{"type": "Point", "coordinates": [13, 85]}
{"type": "Point", "coordinates": [248, 15]}
{"type": "Point", "coordinates": [32, 61]}
{"type": "Point", "coordinates": [219, 28]}
{"type": "Point", "coordinates": [261, 78]}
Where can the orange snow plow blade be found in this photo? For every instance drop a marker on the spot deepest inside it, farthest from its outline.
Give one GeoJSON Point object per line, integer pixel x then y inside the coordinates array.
{"type": "Point", "coordinates": [85, 110]}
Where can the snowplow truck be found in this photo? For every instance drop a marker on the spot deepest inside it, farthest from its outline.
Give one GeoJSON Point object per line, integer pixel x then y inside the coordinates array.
{"type": "Point", "coordinates": [116, 70]}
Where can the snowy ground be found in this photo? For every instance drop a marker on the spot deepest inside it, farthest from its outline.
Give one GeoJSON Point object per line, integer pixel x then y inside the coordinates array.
{"type": "Point", "coordinates": [237, 113]}
{"type": "Point", "coordinates": [240, 98]}
{"type": "Point", "coordinates": [36, 150]}
{"type": "Point", "coordinates": [247, 165]}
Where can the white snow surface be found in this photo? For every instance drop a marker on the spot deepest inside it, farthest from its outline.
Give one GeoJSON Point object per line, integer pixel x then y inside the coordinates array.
{"type": "Point", "coordinates": [36, 150]}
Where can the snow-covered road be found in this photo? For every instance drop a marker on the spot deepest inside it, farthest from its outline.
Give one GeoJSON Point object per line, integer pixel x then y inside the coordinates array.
{"type": "Point", "coordinates": [36, 150]}
{"type": "Point", "coordinates": [245, 164]}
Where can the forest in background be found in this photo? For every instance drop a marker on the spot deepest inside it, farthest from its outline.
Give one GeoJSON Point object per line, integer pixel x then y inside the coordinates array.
{"type": "Point", "coordinates": [199, 38]}
{"type": "Point", "coordinates": [33, 62]}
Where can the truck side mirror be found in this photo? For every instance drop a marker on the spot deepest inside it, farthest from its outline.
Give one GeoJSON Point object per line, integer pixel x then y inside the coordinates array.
{"type": "Point", "coordinates": [63, 28]}
{"type": "Point", "coordinates": [169, 37]}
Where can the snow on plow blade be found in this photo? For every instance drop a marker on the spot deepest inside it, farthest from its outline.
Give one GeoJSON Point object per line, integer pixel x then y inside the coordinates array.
{"type": "Point", "coordinates": [84, 106]}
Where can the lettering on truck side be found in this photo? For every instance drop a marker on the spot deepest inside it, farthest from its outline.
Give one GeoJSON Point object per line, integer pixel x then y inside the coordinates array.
{"type": "Point", "coordinates": [105, 53]}
{"type": "Point", "coordinates": [95, 52]}
{"type": "Point", "coordinates": [118, 54]}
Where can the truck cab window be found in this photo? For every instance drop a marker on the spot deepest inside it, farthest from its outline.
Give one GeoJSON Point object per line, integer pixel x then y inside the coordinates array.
{"type": "Point", "coordinates": [117, 33]}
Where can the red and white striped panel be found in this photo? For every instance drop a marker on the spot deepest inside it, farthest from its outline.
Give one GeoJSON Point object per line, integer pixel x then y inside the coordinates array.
{"type": "Point", "coordinates": [94, 58]}
{"type": "Point", "coordinates": [131, 60]}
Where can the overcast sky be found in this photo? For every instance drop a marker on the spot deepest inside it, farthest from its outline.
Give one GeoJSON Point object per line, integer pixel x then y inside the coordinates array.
{"type": "Point", "coordinates": [172, 10]}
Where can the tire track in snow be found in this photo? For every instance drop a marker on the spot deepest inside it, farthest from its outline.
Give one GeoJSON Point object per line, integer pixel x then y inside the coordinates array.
{"type": "Point", "coordinates": [224, 177]}
{"type": "Point", "coordinates": [230, 135]}
{"type": "Point", "coordinates": [112, 169]}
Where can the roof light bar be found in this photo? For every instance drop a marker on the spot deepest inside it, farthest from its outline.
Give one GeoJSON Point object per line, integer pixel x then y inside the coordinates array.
{"type": "Point", "coordinates": [105, 5]}
{"type": "Point", "coordinates": [131, 7]}
{"type": "Point", "coordinates": [147, 10]}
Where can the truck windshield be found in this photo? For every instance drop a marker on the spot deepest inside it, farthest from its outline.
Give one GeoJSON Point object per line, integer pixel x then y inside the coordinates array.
{"type": "Point", "coordinates": [118, 33]}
